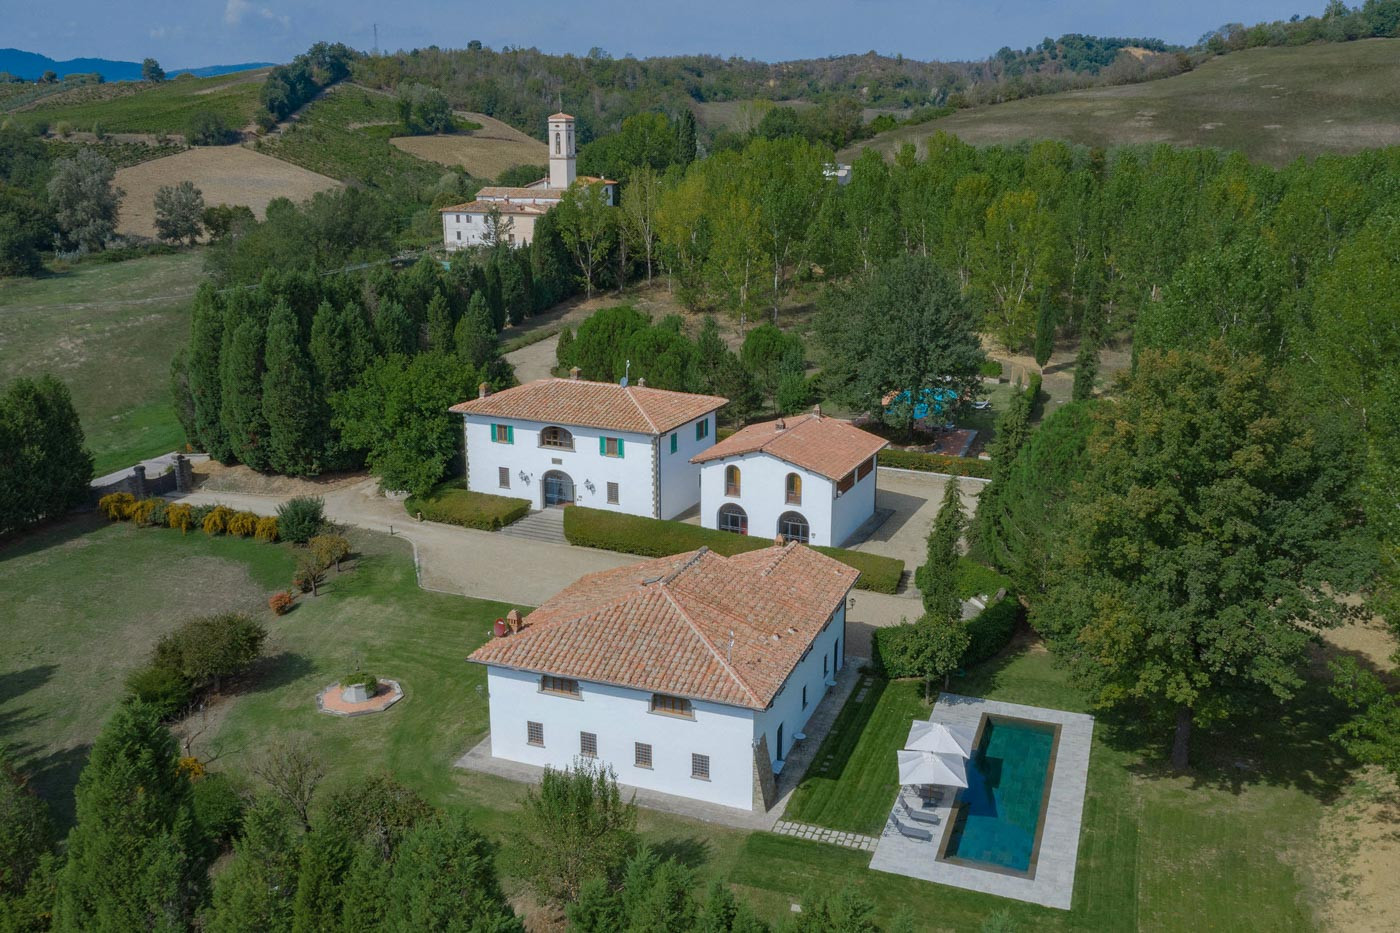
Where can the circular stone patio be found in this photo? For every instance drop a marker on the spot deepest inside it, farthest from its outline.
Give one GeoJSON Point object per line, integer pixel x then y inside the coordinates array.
{"type": "Point", "coordinates": [386, 695]}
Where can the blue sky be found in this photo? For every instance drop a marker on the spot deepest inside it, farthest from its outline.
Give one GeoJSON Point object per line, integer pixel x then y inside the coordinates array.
{"type": "Point", "coordinates": [202, 32]}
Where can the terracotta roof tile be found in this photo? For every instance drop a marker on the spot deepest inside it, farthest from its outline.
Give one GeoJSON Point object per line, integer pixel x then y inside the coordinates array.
{"type": "Point", "coordinates": [665, 625]}
{"type": "Point", "coordinates": [505, 207]}
{"type": "Point", "coordinates": [607, 405]}
{"type": "Point", "coordinates": [826, 446]}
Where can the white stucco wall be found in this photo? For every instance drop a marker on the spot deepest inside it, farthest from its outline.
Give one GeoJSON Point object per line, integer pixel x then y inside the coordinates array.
{"type": "Point", "coordinates": [462, 229]}
{"type": "Point", "coordinates": [621, 717]}
{"type": "Point", "coordinates": [680, 479]}
{"type": "Point", "coordinates": [852, 508]}
{"type": "Point", "coordinates": [763, 495]}
{"type": "Point", "coordinates": [584, 464]}
{"type": "Point", "coordinates": [787, 707]}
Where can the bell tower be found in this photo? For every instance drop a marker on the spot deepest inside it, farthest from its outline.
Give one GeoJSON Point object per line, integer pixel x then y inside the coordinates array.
{"type": "Point", "coordinates": [562, 171]}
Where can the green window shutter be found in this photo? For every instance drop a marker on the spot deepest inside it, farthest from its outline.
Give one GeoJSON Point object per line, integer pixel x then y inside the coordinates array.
{"type": "Point", "coordinates": [510, 434]}
{"type": "Point", "coordinates": [673, 442]}
{"type": "Point", "coordinates": [602, 446]}
{"type": "Point", "coordinates": [699, 427]}
{"type": "Point", "coordinates": [494, 429]}
{"type": "Point", "coordinates": [619, 447]}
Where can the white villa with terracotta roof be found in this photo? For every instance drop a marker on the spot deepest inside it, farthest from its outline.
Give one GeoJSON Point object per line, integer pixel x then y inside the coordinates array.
{"type": "Point", "coordinates": [809, 478]}
{"type": "Point", "coordinates": [599, 444]}
{"type": "Point", "coordinates": [691, 675]}
{"type": "Point", "coordinates": [475, 222]}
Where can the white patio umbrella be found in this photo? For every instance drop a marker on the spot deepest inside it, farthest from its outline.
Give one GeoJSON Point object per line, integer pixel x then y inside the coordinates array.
{"type": "Point", "coordinates": [931, 768]}
{"type": "Point", "coordinates": [927, 736]}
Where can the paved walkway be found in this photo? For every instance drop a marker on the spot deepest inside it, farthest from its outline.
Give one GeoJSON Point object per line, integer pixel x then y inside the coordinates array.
{"type": "Point", "coordinates": [822, 834]}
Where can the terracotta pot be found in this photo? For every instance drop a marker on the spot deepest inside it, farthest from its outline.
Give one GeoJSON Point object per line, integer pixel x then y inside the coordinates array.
{"type": "Point", "coordinates": [499, 627]}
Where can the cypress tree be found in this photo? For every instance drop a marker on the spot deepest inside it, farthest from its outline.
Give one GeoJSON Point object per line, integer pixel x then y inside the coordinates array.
{"type": "Point", "coordinates": [1086, 361]}
{"type": "Point", "coordinates": [564, 350]}
{"type": "Point", "coordinates": [444, 870]}
{"type": "Point", "coordinates": [685, 137]}
{"type": "Point", "coordinates": [937, 578]}
{"type": "Point", "coordinates": [395, 330]}
{"type": "Point", "coordinates": [180, 397]}
{"type": "Point", "coordinates": [256, 892]}
{"type": "Point", "coordinates": [493, 294]}
{"type": "Point", "coordinates": [549, 263]}
{"type": "Point", "coordinates": [515, 298]}
{"type": "Point", "coordinates": [341, 346]}
{"type": "Point", "coordinates": [475, 339]}
{"type": "Point", "coordinates": [242, 371]}
{"type": "Point", "coordinates": [204, 374]}
{"type": "Point", "coordinates": [132, 856]}
{"type": "Point", "coordinates": [295, 412]}
{"type": "Point", "coordinates": [1012, 430]}
{"type": "Point", "coordinates": [44, 467]}
{"type": "Point", "coordinates": [1045, 323]}
{"type": "Point", "coordinates": [439, 324]}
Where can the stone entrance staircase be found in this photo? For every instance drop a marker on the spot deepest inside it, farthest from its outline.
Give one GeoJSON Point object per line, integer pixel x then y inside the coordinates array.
{"type": "Point", "coordinates": [544, 525]}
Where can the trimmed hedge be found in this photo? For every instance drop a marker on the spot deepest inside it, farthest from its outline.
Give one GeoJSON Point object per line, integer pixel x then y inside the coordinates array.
{"type": "Point", "coordinates": [452, 503]}
{"type": "Point", "coordinates": [935, 463]}
{"type": "Point", "coordinates": [892, 650]}
{"type": "Point", "coordinates": [650, 537]}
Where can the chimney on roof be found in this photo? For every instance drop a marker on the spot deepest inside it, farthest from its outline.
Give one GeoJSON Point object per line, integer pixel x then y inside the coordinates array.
{"type": "Point", "coordinates": [514, 620]}
{"type": "Point", "coordinates": [483, 390]}
{"type": "Point", "coordinates": [780, 541]}
{"type": "Point", "coordinates": [781, 426]}
{"type": "Point", "coordinates": [574, 373]}
{"type": "Point", "coordinates": [642, 382]}
{"type": "Point", "coordinates": [817, 410]}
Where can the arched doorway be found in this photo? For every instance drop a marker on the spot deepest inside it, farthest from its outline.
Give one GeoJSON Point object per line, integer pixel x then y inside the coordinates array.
{"type": "Point", "coordinates": [793, 527]}
{"type": "Point", "coordinates": [733, 519]}
{"type": "Point", "coordinates": [557, 489]}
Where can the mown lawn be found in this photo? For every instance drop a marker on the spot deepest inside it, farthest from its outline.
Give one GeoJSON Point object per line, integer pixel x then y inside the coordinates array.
{"type": "Point", "coordinates": [109, 331]}
{"type": "Point", "coordinates": [1224, 848]}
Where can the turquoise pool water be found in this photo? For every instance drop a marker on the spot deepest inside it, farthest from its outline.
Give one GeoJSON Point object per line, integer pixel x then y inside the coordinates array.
{"type": "Point", "coordinates": [1008, 778]}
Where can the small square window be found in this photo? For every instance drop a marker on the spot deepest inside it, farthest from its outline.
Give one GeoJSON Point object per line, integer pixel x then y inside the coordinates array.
{"type": "Point", "coordinates": [612, 447]}
{"type": "Point", "coordinates": [612, 493]}
{"type": "Point", "coordinates": [702, 429]}
{"type": "Point", "coordinates": [459, 234]}
{"type": "Point", "coordinates": [534, 733]}
{"type": "Point", "coordinates": [503, 477]}
{"type": "Point", "coordinates": [502, 434]}
{"type": "Point", "coordinates": [469, 218]}
{"type": "Point", "coordinates": [641, 756]}
{"type": "Point", "coordinates": [588, 744]}
{"type": "Point", "coordinates": [700, 767]}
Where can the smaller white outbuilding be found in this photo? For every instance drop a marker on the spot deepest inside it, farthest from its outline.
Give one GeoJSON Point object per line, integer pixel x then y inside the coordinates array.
{"type": "Point", "coordinates": [809, 478]}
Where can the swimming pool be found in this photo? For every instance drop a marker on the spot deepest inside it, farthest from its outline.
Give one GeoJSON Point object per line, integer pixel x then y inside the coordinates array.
{"type": "Point", "coordinates": [999, 815]}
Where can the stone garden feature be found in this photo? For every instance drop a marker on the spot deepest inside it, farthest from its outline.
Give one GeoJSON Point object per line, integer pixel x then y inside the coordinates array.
{"type": "Point", "coordinates": [358, 694]}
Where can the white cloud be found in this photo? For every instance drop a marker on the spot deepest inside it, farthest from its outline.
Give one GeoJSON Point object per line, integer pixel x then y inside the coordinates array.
{"type": "Point", "coordinates": [236, 10]}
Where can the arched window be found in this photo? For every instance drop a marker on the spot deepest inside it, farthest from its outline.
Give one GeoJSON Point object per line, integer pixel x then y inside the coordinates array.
{"type": "Point", "coordinates": [556, 142]}
{"type": "Point", "coordinates": [794, 527]}
{"type": "Point", "coordinates": [731, 481]}
{"type": "Point", "coordinates": [556, 437]}
{"type": "Point", "coordinates": [733, 519]}
{"type": "Point", "coordinates": [793, 488]}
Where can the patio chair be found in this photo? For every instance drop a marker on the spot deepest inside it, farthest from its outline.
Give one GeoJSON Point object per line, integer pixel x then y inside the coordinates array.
{"type": "Point", "coordinates": [915, 810]}
{"type": "Point", "coordinates": [912, 832]}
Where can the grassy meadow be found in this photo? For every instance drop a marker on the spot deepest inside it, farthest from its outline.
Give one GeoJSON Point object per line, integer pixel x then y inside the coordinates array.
{"type": "Point", "coordinates": [108, 330]}
{"type": "Point", "coordinates": [1272, 104]}
{"type": "Point", "coordinates": [1223, 848]}
{"type": "Point", "coordinates": [168, 107]}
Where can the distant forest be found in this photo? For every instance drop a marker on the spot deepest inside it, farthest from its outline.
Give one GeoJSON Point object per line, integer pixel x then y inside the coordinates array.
{"type": "Point", "coordinates": [522, 86]}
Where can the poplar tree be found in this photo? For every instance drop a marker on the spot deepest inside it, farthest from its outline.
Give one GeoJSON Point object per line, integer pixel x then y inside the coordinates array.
{"type": "Point", "coordinates": [294, 410]}
{"type": "Point", "coordinates": [242, 384]}
{"type": "Point", "coordinates": [133, 855]}
{"type": "Point", "coordinates": [685, 137]}
{"type": "Point", "coordinates": [204, 373]}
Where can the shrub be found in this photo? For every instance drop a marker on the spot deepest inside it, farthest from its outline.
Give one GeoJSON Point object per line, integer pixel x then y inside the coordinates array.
{"type": "Point", "coordinates": [935, 463]}
{"type": "Point", "coordinates": [216, 521]}
{"type": "Point", "coordinates": [63, 128]}
{"type": "Point", "coordinates": [650, 537]}
{"type": "Point", "coordinates": [992, 630]}
{"type": "Point", "coordinates": [1035, 396]}
{"type": "Point", "coordinates": [894, 649]}
{"type": "Point", "coordinates": [992, 369]}
{"type": "Point", "coordinates": [116, 505]}
{"type": "Point", "coordinates": [179, 516]}
{"type": "Point", "coordinates": [205, 650]}
{"type": "Point", "coordinates": [218, 809]}
{"type": "Point", "coordinates": [309, 575]}
{"type": "Point", "coordinates": [359, 677]}
{"type": "Point", "coordinates": [140, 511]}
{"type": "Point", "coordinates": [975, 579]}
{"type": "Point", "coordinates": [242, 524]}
{"type": "Point", "coordinates": [280, 602]}
{"type": "Point", "coordinates": [159, 510]}
{"type": "Point", "coordinates": [455, 505]}
{"type": "Point", "coordinates": [161, 688]}
{"type": "Point", "coordinates": [198, 513]}
{"type": "Point", "coordinates": [300, 519]}
{"type": "Point", "coordinates": [267, 529]}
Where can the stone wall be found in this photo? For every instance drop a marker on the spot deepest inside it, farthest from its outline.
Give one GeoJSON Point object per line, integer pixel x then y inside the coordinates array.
{"type": "Point", "coordinates": [179, 479]}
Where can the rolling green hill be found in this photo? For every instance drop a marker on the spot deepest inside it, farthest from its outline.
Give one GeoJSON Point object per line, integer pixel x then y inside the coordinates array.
{"type": "Point", "coordinates": [138, 107]}
{"type": "Point", "coordinates": [1272, 104]}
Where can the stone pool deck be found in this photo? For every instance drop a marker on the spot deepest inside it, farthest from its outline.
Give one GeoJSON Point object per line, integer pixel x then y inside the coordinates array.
{"type": "Point", "coordinates": [1053, 882]}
